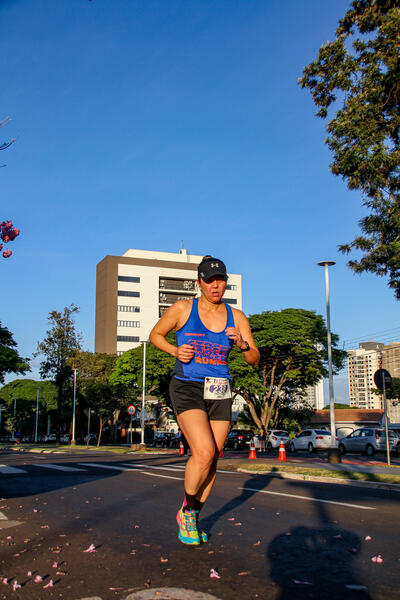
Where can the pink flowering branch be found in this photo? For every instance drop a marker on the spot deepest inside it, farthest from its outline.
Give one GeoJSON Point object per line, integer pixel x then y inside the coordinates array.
{"type": "Point", "coordinates": [8, 233]}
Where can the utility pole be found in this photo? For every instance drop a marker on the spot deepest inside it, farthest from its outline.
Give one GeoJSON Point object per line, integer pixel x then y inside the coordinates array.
{"type": "Point", "coordinates": [143, 390]}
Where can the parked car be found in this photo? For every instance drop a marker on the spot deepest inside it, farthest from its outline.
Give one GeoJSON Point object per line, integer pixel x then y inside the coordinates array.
{"type": "Point", "coordinates": [369, 440]}
{"type": "Point", "coordinates": [65, 438]}
{"type": "Point", "coordinates": [311, 440]}
{"type": "Point", "coordinates": [162, 439]}
{"type": "Point", "coordinates": [275, 437]}
{"type": "Point", "coordinates": [51, 437]}
{"type": "Point", "coordinates": [90, 438]}
{"type": "Point", "coordinates": [239, 439]}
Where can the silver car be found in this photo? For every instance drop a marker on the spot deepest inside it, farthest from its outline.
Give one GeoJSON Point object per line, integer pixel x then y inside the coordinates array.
{"type": "Point", "coordinates": [369, 440]}
{"type": "Point", "coordinates": [311, 440]}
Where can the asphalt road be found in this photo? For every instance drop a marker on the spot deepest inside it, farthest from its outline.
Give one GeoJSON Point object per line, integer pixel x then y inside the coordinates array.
{"type": "Point", "coordinates": [266, 534]}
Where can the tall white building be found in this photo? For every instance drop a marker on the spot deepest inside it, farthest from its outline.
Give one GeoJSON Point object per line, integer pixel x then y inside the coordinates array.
{"type": "Point", "coordinates": [134, 290]}
{"type": "Point", "coordinates": [363, 363]}
{"type": "Point", "coordinates": [314, 395]}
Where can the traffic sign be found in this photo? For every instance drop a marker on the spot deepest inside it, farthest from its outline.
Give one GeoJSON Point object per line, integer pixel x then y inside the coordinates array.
{"type": "Point", "coordinates": [131, 410]}
{"type": "Point", "coordinates": [381, 374]}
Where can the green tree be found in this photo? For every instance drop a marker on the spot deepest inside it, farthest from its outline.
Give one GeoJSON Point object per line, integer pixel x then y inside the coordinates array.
{"type": "Point", "coordinates": [60, 345]}
{"type": "Point", "coordinates": [128, 371]}
{"type": "Point", "coordinates": [293, 354]}
{"type": "Point", "coordinates": [94, 390]}
{"type": "Point", "coordinates": [338, 406]}
{"type": "Point", "coordinates": [10, 360]}
{"type": "Point", "coordinates": [360, 72]}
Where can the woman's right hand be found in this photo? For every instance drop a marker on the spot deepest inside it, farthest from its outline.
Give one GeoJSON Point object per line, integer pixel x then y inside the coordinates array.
{"type": "Point", "coordinates": [185, 353]}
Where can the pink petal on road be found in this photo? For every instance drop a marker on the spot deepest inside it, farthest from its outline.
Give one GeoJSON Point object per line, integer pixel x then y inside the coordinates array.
{"type": "Point", "coordinates": [92, 548]}
{"type": "Point", "coordinates": [353, 550]}
{"type": "Point", "coordinates": [298, 582]}
{"type": "Point", "coordinates": [15, 586]}
{"type": "Point", "coordinates": [35, 510]}
{"type": "Point", "coordinates": [54, 565]}
{"type": "Point", "coordinates": [231, 519]}
{"type": "Point", "coordinates": [338, 536]}
{"type": "Point", "coordinates": [164, 560]}
{"type": "Point", "coordinates": [37, 579]}
{"type": "Point", "coordinates": [237, 524]}
{"type": "Point", "coordinates": [29, 574]}
{"type": "Point", "coordinates": [211, 552]}
{"type": "Point", "coordinates": [5, 580]}
{"type": "Point", "coordinates": [368, 538]}
{"type": "Point", "coordinates": [243, 573]}
{"type": "Point", "coordinates": [214, 574]}
{"type": "Point", "coordinates": [257, 543]}
{"type": "Point", "coordinates": [377, 559]}
{"type": "Point", "coordinates": [45, 527]}
{"type": "Point", "coordinates": [50, 584]}
{"type": "Point", "coordinates": [277, 514]}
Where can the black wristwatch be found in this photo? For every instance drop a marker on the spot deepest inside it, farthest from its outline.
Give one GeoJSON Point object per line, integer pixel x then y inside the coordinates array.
{"type": "Point", "coordinates": [247, 347]}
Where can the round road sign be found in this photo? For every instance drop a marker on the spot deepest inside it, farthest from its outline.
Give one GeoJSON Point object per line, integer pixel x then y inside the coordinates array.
{"type": "Point", "coordinates": [131, 410]}
{"type": "Point", "coordinates": [378, 379]}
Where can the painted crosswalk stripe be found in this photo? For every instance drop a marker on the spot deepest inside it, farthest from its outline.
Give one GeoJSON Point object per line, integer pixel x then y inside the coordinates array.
{"type": "Point", "coordinates": [159, 475]}
{"type": "Point", "coordinates": [101, 466]}
{"type": "Point", "coordinates": [139, 466]}
{"type": "Point", "coordinates": [57, 467]}
{"type": "Point", "coordinates": [6, 470]}
{"type": "Point", "coordinates": [308, 498]}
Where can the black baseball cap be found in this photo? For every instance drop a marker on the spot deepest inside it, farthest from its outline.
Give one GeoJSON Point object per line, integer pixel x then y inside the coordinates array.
{"type": "Point", "coordinates": [211, 267]}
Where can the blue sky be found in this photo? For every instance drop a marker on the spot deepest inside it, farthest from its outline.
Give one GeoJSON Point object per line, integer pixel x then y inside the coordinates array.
{"type": "Point", "coordinates": [144, 123]}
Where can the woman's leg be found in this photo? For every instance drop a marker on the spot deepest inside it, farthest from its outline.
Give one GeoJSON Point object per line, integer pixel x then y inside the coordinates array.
{"type": "Point", "coordinates": [220, 430]}
{"type": "Point", "coordinates": [199, 434]}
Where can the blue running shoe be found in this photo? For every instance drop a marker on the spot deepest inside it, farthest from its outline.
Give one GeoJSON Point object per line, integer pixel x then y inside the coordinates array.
{"type": "Point", "coordinates": [202, 534]}
{"type": "Point", "coordinates": [188, 533]}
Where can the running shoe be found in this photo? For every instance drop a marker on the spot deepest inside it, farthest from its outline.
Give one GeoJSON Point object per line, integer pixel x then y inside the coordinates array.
{"type": "Point", "coordinates": [188, 533]}
{"type": "Point", "coordinates": [202, 534]}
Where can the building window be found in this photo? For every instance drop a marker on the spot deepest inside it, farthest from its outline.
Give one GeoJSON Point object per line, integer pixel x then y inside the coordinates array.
{"type": "Point", "coordinates": [181, 285]}
{"type": "Point", "coordinates": [131, 294]}
{"type": "Point", "coordinates": [128, 323]}
{"type": "Point", "coordinates": [131, 279]}
{"type": "Point", "coordinates": [126, 308]}
{"type": "Point", "coordinates": [127, 338]}
{"type": "Point", "coordinates": [230, 300]}
{"type": "Point", "coordinates": [161, 310]}
{"type": "Point", "coordinates": [231, 286]}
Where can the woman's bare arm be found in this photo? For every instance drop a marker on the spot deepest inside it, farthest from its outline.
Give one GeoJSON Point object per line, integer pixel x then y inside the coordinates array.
{"type": "Point", "coordinates": [240, 334]}
{"type": "Point", "coordinates": [172, 319]}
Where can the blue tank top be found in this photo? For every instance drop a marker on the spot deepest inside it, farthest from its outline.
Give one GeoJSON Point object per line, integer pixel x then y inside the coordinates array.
{"type": "Point", "coordinates": [211, 349]}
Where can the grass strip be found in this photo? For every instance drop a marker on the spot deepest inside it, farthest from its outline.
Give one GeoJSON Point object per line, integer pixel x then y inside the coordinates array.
{"type": "Point", "coordinates": [317, 472]}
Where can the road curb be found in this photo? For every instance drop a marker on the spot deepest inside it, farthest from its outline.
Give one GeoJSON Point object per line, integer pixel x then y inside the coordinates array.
{"type": "Point", "coordinates": [395, 487]}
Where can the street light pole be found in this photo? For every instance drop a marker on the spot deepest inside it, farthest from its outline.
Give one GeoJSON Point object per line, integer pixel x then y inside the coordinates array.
{"type": "Point", "coordinates": [37, 414]}
{"type": "Point", "coordinates": [143, 390]}
{"type": "Point", "coordinates": [73, 411]}
{"type": "Point", "coordinates": [333, 452]}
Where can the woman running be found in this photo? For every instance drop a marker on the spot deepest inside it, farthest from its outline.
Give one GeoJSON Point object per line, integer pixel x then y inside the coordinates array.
{"type": "Point", "coordinates": [206, 329]}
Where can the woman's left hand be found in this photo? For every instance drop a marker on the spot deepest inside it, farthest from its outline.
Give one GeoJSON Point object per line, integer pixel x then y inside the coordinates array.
{"type": "Point", "coordinates": [234, 334]}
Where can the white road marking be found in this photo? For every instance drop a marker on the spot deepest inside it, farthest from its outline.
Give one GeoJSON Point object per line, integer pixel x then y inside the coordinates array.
{"type": "Point", "coordinates": [4, 469]}
{"type": "Point", "coordinates": [58, 467]}
{"type": "Point", "coordinates": [99, 466]}
{"type": "Point", "coordinates": [138, 466]}
{"type": "Point", "coordinates": [308, 498]}
{"type": "Point", "coordinates": [3, 517]}
{"type": "Point", "coordinates": [159, 475]}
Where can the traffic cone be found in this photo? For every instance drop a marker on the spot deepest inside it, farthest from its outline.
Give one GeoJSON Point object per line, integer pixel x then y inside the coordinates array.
{"type": "Point", "coordinates": [221, 453]}
{"type": "Point", "coordinates": [181, 449]}
{"type": "Point", "coordinates": [252, 453]}
{"type": "Point", "coordinates": [282, 451]}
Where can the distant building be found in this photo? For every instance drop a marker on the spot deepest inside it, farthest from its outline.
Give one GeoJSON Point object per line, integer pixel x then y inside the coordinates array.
{"type": "Point", "coordinates": [134, 290]}
{"type": "Point", "coordinates": [363, 363]}
{"type": "Point", "coordinates": [314, 395]}
{"type": "Point", "coordinates": [347, 420]}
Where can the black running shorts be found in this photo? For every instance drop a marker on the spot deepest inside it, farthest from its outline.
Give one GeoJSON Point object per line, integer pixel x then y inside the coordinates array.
{"type": "Point", "coordinates": [186, 395]}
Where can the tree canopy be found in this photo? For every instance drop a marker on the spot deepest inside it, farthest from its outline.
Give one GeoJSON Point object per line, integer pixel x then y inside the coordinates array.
{"type": "Point", "coordinates": [293, 355]}
{"type": "Point", "coordinates": [60, 345]}
{"type": "Point", "coordinates": [358, 74]}
{"type": "Point", "coordinates": [10, 360]}
{"type": "Point", "coordinates": [26, 389]}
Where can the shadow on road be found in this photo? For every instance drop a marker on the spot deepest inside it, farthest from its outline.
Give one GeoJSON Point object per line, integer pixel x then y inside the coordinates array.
{"type": "Point", "coordinates": [317, 563]}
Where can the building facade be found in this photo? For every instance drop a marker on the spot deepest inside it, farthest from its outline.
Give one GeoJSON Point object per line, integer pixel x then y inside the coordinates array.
{"type": "Point", "coordinates": [135, 289]}
{"type": "Point", "coordinates": [314, 395]}
{"type": "Point", "coordinates": [363, 363]}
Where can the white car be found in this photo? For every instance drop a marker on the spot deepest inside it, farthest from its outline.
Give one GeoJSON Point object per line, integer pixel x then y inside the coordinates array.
{"type": "Point", "coordinates": [275, 437]}
{"type": "Point", "coordinates": [311, 439]}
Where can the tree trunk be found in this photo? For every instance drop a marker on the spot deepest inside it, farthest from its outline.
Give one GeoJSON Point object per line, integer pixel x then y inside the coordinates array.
{"type": "Point", "coordinates": [101, 429]}
{"type": "Point", "coordinates": [59, 407]}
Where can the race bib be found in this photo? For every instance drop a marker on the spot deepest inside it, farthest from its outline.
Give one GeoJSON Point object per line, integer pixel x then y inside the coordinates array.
{"type": "Point", "coordinates": [217, 388]}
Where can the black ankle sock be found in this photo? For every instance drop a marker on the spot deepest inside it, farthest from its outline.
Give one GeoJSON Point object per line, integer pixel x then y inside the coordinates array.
{"type": "Point", "coordinates": [199, 505]}
{"type": "Point", "coordinates": [190, 501]}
